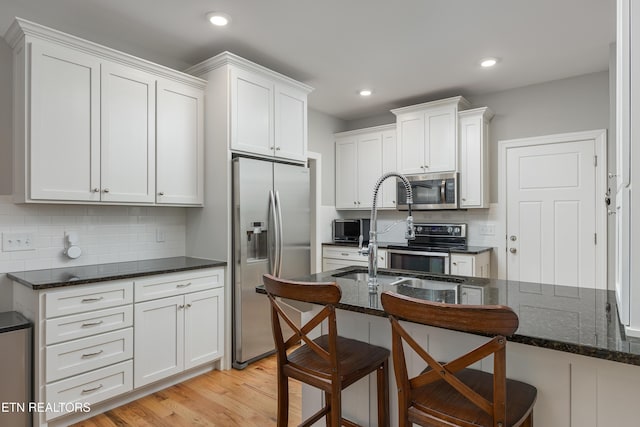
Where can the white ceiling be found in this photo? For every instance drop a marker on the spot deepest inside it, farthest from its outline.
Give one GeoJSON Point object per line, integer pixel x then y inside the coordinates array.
{"type": "Point", "coordinates": [407, 51]}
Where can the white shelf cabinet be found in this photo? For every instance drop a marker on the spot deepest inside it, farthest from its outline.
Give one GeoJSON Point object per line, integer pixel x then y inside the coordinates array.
{"type": "Point", "coordinates": [474, 157]}
{"type": "Point", "coordinates": [428, 136]}
{"type": "Point", "coordinates": [85, 124]}
{"type": "Point", "coordinates": [362, 156]}
{"type": "Point", "coordinates": [180, 331]}
{"type": "Point", "coordinates": [268, 115]}
{"type": "Point", "coordinates": [472, 265]}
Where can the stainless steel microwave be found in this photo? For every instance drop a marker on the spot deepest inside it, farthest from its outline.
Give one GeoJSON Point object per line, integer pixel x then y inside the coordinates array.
{"type": "Point", "coordinates": [349, 230]}
{"type": "Point", "coordinates": [430, 191]}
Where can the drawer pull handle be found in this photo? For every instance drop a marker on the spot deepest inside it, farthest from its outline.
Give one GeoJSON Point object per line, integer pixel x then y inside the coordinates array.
{"type": "Point", "coordinates": [89, 390]}
{"type": "Point", "coordinates": [87, 355]}
{"type": "Point", "coordinates": [344, 254]}
{"type": "Point", "coordinates": [183, 285]}
{"type": "Point", "coordinates": [86, 325]}
{"type": "Point", "coordinates": [92, 299]}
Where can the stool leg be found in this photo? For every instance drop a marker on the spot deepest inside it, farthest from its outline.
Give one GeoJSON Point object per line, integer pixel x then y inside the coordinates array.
{"type": "Point", "coordinates": [336, 406]}
{"type": "Point", "coordinates": [382, 375]}
{"type": "Point", "coordinates": [283, 400]}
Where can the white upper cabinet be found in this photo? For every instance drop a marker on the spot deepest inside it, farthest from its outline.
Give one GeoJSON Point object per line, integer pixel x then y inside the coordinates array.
{"type": "Point", "coordinates": [428, 136]}
{"type": "Point", "coordinates": [64, 149]}
{"type": "Point", "coordinates": [252, 115]}
{"type": "Point", "coordinates": [474, 157]}
{"type": "Point", "coordinates": [290, 123]}
{"type": "Point", "coordinates": [257, 111]}
{"type": "Point", "coordinates": [362, 156]}
{"type": "Point", "coordinates": [127, 148]}
{"type": "Point", "coordinates": [85, 124]}
{"type": "Point", "coordinates": [180, 144]}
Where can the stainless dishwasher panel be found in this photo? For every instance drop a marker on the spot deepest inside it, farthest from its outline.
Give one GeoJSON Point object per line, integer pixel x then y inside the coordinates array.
{"type": "Point", "coordinates": [15, 368]}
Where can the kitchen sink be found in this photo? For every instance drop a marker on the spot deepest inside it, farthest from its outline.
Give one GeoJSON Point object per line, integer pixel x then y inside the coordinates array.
{"type": "Point", "coordinates": [363, 276]}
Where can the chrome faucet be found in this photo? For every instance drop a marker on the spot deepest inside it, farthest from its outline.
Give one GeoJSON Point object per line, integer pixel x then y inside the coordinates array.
{"type": "Point", "coordinates": [372, 249]}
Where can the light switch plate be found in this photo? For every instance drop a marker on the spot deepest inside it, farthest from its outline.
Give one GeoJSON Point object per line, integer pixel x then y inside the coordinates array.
{"type": "Point", "coordinates": [17, 242]}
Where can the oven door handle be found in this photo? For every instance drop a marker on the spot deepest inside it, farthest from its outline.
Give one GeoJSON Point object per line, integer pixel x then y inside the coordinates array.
{"type": "Point", "coordinates": [436, 254]}
{"type": "Point", "coordinates": [443, 193]}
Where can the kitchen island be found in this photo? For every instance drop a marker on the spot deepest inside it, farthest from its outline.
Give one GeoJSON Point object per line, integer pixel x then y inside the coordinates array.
{"type": "Point", "coordinates": [569, 345]}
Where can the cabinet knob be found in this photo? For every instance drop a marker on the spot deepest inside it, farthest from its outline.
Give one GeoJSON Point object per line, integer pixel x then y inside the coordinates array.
{"type": "Point", "coordinates": [277, 148]}
{"type": "Point", "coordinates": [610, 212]}
{"type": "Point", "coordinates": [181, 306]}
{"type": "Point", "coordinates": [464, 200]}
{"type": "Point", "coordinates": [272, 147]}
{"type": "Point", "coordinates": [513, 250]}
{"type": "Point", "coordinates": [161, 193]}
{"type": "Point", "coordinates": [96, 190]}
{"type": "Point", "coordinates": [355, 203]}
{"type": "Point", "coordinates": [189, 305]}
{"type": "Point", "coordinates": [106, 190]}
{"type": "Point", "coordinates": [454, 263]}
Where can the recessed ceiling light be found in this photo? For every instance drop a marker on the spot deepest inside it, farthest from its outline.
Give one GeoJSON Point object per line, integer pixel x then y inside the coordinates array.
{"type": "Point", "coordinates": [488, 62]}
{"type": "Point", "coordinates": [365, 92]}
{"type": "Point", "coordinates": [218, 19]}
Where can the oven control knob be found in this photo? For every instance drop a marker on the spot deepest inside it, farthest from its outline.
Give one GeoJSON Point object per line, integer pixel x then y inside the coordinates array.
{"type": "Point", "coordinates": [457, 230]}
{"type": "Point", "coordinates": [449, 230]}
{"type": "Point", "coordinates": [419, 229]}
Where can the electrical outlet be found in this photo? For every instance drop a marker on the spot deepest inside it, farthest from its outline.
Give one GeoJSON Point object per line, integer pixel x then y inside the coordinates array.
{"type": "Point", "coordinates": [488, 230]}
{"type": "Point", "coordinates": [160, 235]}
{"type": "Point", "coordinates": [17, 242]}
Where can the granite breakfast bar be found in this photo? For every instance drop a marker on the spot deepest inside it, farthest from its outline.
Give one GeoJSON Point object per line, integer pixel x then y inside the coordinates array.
{"type": "Point", "coordinates": [569, 345]}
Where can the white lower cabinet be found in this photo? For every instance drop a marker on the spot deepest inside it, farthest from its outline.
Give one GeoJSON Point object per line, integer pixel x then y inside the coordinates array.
{"type": "Point", "coordinates": [334, 257]}
{"type": "Point", "coordinates": [176, 333]}
{"type": "Point", "coordinates": [472, 265]}
{"type": "Point", "coordinates": [100, 341]}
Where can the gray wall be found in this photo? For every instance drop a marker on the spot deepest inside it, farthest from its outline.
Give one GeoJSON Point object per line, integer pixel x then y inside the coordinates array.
{"type": "Point", "coordinates": [321, 130]}
{"type": "Point", "coordinates": [567, 105]}
{"type": "Point", "coordinates": [6, 170]}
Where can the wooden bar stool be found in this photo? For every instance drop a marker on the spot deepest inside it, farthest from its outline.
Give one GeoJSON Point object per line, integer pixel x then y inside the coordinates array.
{"type": "Point", "coordinates": [450, 394]}
{"type": "Point", "coordinates": [330, 362]}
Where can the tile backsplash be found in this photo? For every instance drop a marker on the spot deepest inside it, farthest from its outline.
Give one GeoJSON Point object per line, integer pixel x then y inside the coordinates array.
{"type": "Point", "coordinates": [105, 234]}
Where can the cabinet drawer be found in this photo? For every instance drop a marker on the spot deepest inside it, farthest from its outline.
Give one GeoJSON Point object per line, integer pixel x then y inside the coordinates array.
{"type": "Point", "coordinates": [177, 283]}
{"type": "Point", "coordinates": [83, 325]}
{"type": "Point", "coordinates": [78, 299]}
{"type": "Point", "coordinates": [92, 387]}
{"type": "Point", "coordinates": [342, 252]}
{"type": "Point", "coordinates": [75, 357]}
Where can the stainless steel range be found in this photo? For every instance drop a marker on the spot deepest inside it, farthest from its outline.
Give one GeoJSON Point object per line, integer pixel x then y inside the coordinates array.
{"type": "Point", "coordinates": [430, 250]}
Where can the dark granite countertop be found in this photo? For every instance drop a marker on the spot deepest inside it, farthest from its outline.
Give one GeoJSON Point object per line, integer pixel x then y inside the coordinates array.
{"type": "Point", "coordinates": [68, 276]}
{"type": "Point", "coordinates": [473, 250]}
{"type": "Point", "coordinates": [13, 321]}
{"type": "Point", "coordinates": [575, 320]}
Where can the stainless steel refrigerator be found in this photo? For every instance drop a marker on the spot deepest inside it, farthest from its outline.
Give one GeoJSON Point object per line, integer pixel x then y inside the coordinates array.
{"type": "Point", "coordinates": [270, 235]}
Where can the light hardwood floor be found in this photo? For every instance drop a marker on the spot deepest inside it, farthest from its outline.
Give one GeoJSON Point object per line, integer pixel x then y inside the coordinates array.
{"type": "Point", "coordinates": [219, 398]}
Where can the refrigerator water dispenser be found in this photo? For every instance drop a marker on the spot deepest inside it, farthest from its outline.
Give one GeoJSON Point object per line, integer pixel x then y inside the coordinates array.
{"type": "Point", "coordinates": [257, 242]}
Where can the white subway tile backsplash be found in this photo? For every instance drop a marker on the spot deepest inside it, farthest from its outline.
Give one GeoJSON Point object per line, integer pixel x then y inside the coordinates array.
{"type": "Point", "coordinates": [106, 233]}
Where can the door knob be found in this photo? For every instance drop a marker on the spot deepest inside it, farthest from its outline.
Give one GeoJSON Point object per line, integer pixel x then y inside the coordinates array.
{"type": "Point", "coordinates": [513, 250]}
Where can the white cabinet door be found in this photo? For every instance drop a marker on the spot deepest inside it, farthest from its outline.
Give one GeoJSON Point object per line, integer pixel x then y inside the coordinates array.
{"type": "Point", "coordinates": [440, 139]}
{"type": "Point", "coordinates": [411, 143]}
{"type": "Point", "coordinates": [204, 332]}
{"type": "Point", "coordinates": [474, 157]}
{"type": "Point", "coordinates": [128, 158]}
{"type": "Point", "coordinates": [252, 115]}
{"type": "Point", "coordinates": [159, 339]}
{"type": "Point", "coordinates": [389, 164]}
{"type": "Point", "coordinates": [64, 147]}
{"type": "Point", "coordinates": [346, 173]}
{"type": "Point", "coordinates": [179, 144]}
{"type": "Point", "coordinates": [290, 123]}
{"type": "Point", "coordinates": [462, 265]}
{"type": "Point", "coordinates": [369, 167]}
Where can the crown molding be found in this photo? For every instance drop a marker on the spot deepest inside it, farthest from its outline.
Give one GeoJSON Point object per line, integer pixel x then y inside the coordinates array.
{"type": "Point", "coordinates": [458, 101]}
{"type": "Point", "coordinates": [381, 128]}
{"type": "Point", "coordinates": [486, 112]}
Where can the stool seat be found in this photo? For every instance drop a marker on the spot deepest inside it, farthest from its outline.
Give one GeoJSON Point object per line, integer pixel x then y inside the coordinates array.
{"type": "Point", "coordinates": [444, 402]}
{"type": "Point", "coordinates": [354, 358]}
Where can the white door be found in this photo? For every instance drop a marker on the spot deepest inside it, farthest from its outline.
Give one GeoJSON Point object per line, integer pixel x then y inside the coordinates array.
{"type": "Point", "coordinates": [203, 326]}
{"type": "Point", "coordinates": [551, 213]}
{"type": "Point", "coordinates": [158, 339]}
{"type": "Point", "coordinates": [128, 156]}
{"type": "Point", "coordinates": [369, 167]}
{"type": "Point", "coordinates": [251, 113]}
{"type": "Point", "coordinates": [65, 124]}
{"type": "Point", "coordinates": [290, 123]}
{"type": "Point", "coordinates": [179, 144]}
{"type": "Point", "coordinates": [346, 173]}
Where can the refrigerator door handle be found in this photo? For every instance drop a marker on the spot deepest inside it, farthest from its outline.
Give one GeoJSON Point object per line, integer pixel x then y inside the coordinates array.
{"type": "Point", "coordinates": [280, 239]}
{"type": "Point", "coordinates": [276, 256]}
